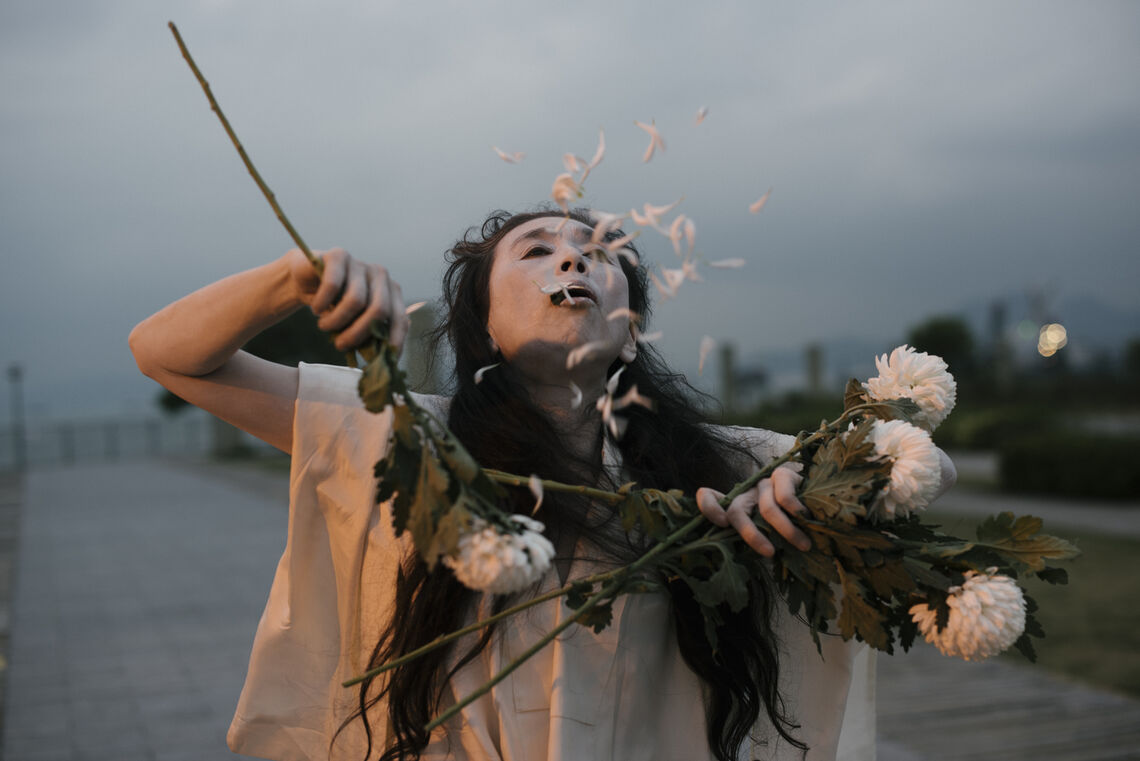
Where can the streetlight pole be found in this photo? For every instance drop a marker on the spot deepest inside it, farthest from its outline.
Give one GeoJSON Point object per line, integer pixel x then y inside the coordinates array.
{"type": "Point", "coordinates": [16, 400]}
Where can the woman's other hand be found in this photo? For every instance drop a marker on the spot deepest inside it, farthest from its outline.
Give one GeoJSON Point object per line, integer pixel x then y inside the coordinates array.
{"type": "Point", "coordinates": [774, 498]}
{"type": "Point", "coordinates": [349, 297]}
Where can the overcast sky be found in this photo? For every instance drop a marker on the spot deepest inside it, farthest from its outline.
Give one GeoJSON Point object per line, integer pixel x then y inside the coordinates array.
{"type": "Point", "coordinates": [922, 156]}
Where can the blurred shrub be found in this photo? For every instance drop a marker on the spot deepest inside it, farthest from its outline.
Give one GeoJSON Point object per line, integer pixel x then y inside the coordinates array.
{"type": "Point", "coordinates": [988, 427]}
{"type": "Point", "coordinates": [793, 413]}
{"type": "Point", "coordinates": [1071, 464]}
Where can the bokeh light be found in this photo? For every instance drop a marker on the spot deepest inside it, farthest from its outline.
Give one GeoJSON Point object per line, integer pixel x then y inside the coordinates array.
{"type": "Point", "coordinates": [1051, 339]}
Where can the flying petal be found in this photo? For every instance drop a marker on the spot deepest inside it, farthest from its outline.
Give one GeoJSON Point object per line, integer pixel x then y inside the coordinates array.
{"type": "Point", "coordinates": [621, 242]}
{"type": "Point", "coordinates": [690, 234]}
{"type": "Point", "coordinates": [579, 354]}
{"type": "Point", "coordinates": [727, 264]}
{"type": "Point", "coordinates": [612, 383]}
{"type": "Point", "coordinates": [648, 338]}
{"type": "Point", "coordinates": [707, 345]}
{"type": "Point", "coordinates": [510, 158]}
{"type": "Point", "coordinates": [656, 212]}
{"type": "Point", "coordinates": [655, 140]}
{"type": "Point", "coordinates": [627, 253]}
{"type": "Point", "coordinates": [571, 162]}
{"type": "Point", "coordinates": [675, 233]}
{"type": "Point", "coordinates": [410, 308]}
{"type": "Point", "coordinates": [633, 396]}
{"type": "Point", "coordinates": [604, 224]}
{"type": "Point", "coordinates": [756, 207]}
{"type": "Point", "coordinates": [564, 190]}
{"type": "Point", "coordinates": [535, 484]}
{"type": "Point", "coordinates": [600, 152]}
{"type": "Point", "coordinates": [702, 112]}
{"type": "Point", "coordinates": [576, 401]}
{"type": "Point", "coordinates": [689, 269]}
{"type": "Point", "coordinates": [483, 371]}
{"type": "Point", "coordinates": [626, 312]}
{"type": "Point", "coordinates": [673, 277]}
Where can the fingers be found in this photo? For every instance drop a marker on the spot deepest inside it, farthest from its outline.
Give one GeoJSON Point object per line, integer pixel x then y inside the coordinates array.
{"type": "Point", "coordinates": [738, 515]}
{"type": "Point", "coordinates": [352, 295]}
{"type": "Point", "coordinates": [351, 301]}
{"type": "Point", "coordinates": [773, 506]}
{"type": "Point", "coordinates": [332, 281]}
{"type": "Point", "coordinates": [774, 498]}
{"type": "Point", "coordinates": [740, 518]}
{"type": "Point", "coordinates": [708, 502]}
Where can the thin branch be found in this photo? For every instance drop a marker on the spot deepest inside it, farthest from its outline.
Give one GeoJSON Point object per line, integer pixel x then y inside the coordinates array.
{"type": "Point", "coordinates": [316, 262]}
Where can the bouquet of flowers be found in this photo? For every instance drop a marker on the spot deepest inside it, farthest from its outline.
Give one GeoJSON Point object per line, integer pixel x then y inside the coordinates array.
{"type": "Point", "coordinates": [874, 571]}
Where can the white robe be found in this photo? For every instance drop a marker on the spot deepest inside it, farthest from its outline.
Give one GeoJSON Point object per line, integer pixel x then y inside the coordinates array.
{"type": "Point", "coordinates": [623, 694]}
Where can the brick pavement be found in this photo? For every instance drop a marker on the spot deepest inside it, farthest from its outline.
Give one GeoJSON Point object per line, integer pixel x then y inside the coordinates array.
{"type": "Point", "coordinates": [138, 589]}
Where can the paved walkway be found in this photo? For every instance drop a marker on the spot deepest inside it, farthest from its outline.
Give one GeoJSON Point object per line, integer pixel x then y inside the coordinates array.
{"type": "Point", "coordinates": [139, 586]}
{"type": "Point", "coordinates": [138, 590]}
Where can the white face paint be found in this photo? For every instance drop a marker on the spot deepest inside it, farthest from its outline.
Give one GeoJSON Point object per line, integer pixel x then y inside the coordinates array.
{"type": "Point", "coordinates": [551, 290]}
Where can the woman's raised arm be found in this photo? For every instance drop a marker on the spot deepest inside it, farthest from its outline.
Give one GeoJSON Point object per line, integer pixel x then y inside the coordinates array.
{"type": "Point", "coordinates": [192, 346]}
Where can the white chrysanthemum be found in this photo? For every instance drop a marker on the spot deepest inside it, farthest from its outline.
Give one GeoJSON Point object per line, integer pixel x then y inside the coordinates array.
{"type": "Point", "coordinates": [987, 615]}
{"type": "Point", "coordinates": [916, 469]}
{"type": "Point", "coordinates": [501, 563]}
{"type": "Point", "coordinates": [920, 377]}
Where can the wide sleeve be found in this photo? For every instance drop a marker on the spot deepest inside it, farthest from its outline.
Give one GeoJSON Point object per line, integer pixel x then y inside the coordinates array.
{"type": "Point", "coordinates": [334, 587]}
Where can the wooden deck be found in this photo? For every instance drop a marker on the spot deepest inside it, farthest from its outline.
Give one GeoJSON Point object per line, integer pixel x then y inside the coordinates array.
{"type": "Point", "coordinates": [933, 708]}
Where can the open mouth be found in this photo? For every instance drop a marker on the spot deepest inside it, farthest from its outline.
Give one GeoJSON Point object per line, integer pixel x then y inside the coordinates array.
{"type": "Point", "coordinates": [571, 295]}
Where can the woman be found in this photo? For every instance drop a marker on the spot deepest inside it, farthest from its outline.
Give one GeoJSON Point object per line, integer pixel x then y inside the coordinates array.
{"type": "Point", "coordinates": [348, 594]}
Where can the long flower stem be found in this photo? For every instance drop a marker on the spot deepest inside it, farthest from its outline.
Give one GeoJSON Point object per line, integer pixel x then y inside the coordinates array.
{"type": "Point", "coordinates": [611, 590]}
{"type": "Point", "coordinates": [317, 263]}
{"type": "Point", "coordinates": [474, 627]}
{"type": "Point", "coordinates": [556, 486]}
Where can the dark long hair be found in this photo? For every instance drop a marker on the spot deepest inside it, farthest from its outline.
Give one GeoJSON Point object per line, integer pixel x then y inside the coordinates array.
{"type": "Point", "coordinates": [501, 426]}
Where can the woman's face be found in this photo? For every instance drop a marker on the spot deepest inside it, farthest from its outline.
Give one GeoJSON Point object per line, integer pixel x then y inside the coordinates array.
{"type": "Point", "coordinates": [536, 328]}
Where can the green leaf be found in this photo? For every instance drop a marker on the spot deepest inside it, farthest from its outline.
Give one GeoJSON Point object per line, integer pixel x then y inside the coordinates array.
{"type": "Point", "coordinates": [808, 567]}
{"type": "Point", "coordinates": [447, 532]}
{"type": "Point", "coordinates": [400, 473]}
{"type": "Point", "coordinates": [580, 591]}
{"type": "Point", "coordinates": [1054, 575]}
{"type": "Point", "coordinates": [429, 503]}
{"type": "Point", "coordinates": [835, 494]}
{"type": "Point", "coordinates": [598, 617]}
{"type": "Point", "coordinates": [1025, 647]}
{"type": "Point", "coordinates": [858, 616]}
{"type": "Point", "coordinates": [1019, 541]}
{"type": "Point", "coordinates": [458, 460]}
{"type": "Point", "coordinates": [1033, 627]}
{"type": "Point", "coordinates": [635, 511]}
{"type": "Point", "coordinates": [944, 550]}
{"type": "Point", "coordinates": [926, 576]}
{"type": "Point", "coordinates": [889, 578]}
{"type": "Point", "coordinates": [374, 385]}
{"type": "Point", "coordinates": [403, 426]}
{"type": "Point", "coordinates": [941, 614]}
{"type": "Point", "coordinates": [853, 395]}
{"type": "Point", "coordinates": [908, 630]}
{"type": "Point", "coordinates": [728, 585]}
{"type": "Point", "coordinates": [894, 409]}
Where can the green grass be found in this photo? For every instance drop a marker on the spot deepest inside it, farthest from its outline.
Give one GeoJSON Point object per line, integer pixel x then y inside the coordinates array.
{"type": "Point", "coordinates": [1092, 624]}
